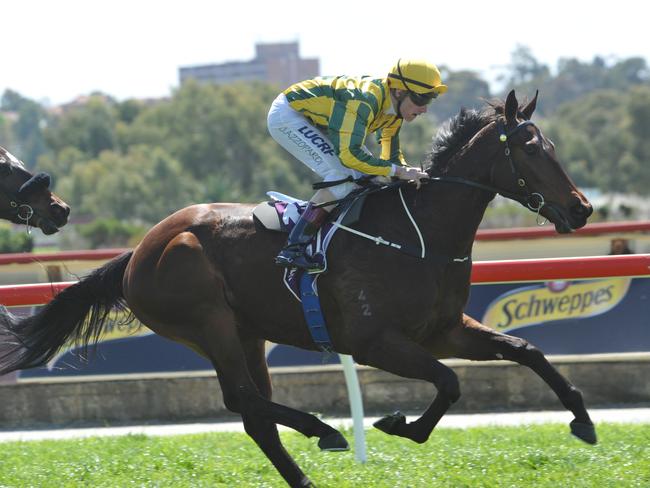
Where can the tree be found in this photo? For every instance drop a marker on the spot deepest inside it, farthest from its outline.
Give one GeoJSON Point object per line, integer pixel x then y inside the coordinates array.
{"type": "Point", "coordinates": [28, 142]}
{"type": "Point", "coordinates": [638, 121]}
{"type": "Point", "coordinates": [144, 185]}
{"type": "Point", "coordinates": [524, 68]}
{"type": "Point", "coordinates": [90, 127]}
{"type": "Point", "coordinates": [14, 241]}
{"type": "Point", "coordinates": [219, 135]}
{"type": "Point", "coordinates": [6, 133]}
{"type": "Point", "coordinates": [466, 89]}
{"type": "Point", "coordinates": [137, 162]}
{"type": "Point", "coordinates": [111, 233]}
{"type": "Point", "coordinates": [603, 137]}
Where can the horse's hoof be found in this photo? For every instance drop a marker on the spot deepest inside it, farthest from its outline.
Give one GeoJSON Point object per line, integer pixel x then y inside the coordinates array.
{"type": "Point", "coordinates": [585, 432]}
{"type": "Point", "coordinates": [391, 423]}
{"type": "Point", "coordinates": [333, 442]}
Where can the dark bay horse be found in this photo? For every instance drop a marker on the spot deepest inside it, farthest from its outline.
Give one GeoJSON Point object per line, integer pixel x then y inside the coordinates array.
{"type": "Point", "coordinates": [26, 198]}
{"type": "Point", "coordinates": [205, 277]}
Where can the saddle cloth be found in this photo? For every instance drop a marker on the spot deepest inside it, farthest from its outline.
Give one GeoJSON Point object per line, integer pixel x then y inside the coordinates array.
{"type": "Point", "coordinates": [281, 214]}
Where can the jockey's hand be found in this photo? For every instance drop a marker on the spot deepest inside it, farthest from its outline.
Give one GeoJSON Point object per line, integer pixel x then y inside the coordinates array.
{"type": "Point", "coordinates": [411, 174]}
{"type": "Point", "coordinates": [382, 180]}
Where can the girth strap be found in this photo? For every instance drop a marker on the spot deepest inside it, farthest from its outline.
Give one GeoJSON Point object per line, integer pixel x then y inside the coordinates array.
{"type": "Point", "coordinates": [313, 314]}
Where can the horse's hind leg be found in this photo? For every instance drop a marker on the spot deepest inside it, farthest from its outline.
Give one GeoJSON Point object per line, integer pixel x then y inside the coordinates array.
{"type": "Point", "coordinates": [261, 430]}
{"type": "Point", "coordinates": [259, 427]}
{"type": "Point", "coordinates": [220, 341]}
{"type": "Point", "coordinates": [265, 434]}
{"type": "Point", "coordinates": [473, 340]}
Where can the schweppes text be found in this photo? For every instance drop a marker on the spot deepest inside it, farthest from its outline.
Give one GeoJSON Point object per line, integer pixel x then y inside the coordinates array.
{"type": "Point", "coordinates": [533, 305]}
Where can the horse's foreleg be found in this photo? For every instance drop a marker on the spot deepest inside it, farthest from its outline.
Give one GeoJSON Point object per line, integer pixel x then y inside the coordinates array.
{"type": "Point", "coordinates": [473, 340]}
{"type": "Point", "coordinates": [399, 355]}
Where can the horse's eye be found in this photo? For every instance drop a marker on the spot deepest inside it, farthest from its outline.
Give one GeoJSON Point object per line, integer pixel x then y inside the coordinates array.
{"type": "Point", "coordinates": [5, 169]}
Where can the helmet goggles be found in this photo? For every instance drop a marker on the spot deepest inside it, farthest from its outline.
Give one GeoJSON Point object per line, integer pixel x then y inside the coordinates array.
{"type": "Point", "coordinates": [419, 99]}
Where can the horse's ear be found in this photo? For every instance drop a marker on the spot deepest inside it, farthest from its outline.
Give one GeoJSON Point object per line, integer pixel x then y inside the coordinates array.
{"type": "Point", "coordinates": [528, 110]}
{"type": "Point", "coordinates": [512, 106]}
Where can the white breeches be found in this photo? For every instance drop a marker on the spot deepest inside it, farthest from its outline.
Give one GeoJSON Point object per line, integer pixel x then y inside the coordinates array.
{"type": "Point", "coordinates": [308, 144]}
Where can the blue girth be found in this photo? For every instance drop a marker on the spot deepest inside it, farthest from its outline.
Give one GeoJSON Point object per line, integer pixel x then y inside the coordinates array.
{"type": "Point", "coordinates": [313, 313]}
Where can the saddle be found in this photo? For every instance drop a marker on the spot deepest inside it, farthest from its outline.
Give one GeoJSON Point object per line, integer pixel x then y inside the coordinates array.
{"type": "Point", "coordinates": [282, 212]}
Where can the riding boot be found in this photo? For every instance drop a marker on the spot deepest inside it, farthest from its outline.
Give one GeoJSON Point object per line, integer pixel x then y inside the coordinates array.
{"type": "Point", "coordinates": [294, 253]}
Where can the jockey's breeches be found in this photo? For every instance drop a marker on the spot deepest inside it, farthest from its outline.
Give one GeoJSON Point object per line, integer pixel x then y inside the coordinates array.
{"type": "Point", "coordinates": [307, 143]}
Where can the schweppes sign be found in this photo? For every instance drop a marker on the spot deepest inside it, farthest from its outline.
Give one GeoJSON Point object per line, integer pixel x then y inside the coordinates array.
{"type": "Point", "coordinates": [555, 300]}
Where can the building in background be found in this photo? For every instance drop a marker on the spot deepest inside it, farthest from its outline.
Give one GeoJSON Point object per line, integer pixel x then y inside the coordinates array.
{"type": "Point", "coordinates": [278, 63]}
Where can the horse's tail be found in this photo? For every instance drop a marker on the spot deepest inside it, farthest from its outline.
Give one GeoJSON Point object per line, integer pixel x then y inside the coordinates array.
{"type": "Point", "coordinates": [76, 315]}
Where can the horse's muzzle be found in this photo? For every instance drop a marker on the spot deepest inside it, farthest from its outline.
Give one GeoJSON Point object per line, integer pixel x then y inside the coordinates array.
{"type": "Point", "coordinates": [569, 219]}
{"type": "Point", "coordinates": [56, 218]}
{"type": "Point", "coordinates": [581, 211]}
{"type": "Point", "coordinates": [60, 213]}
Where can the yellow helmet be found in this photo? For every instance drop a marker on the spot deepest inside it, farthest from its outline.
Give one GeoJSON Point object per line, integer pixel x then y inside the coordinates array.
{"type": "Point", "coordinates": [416, 76]}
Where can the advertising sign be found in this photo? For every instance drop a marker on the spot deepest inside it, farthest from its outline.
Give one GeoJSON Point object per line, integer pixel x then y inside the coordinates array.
{"type": "Point", "coordinates": [559, 317]}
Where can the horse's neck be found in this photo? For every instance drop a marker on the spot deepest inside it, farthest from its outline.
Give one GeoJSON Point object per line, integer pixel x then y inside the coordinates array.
{"type": "Point", "coordinates": [456, 210]}
{"type": "Point", "coordinates": [452, 219]}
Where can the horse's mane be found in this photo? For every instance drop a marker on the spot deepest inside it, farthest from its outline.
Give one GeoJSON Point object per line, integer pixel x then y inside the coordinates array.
{"type": "Point", "coordinates": [456, 132]}
{"type": "Point", "coordinates": [8, 158]}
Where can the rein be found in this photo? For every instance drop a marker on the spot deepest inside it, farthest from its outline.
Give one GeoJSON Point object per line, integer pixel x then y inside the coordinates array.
{"type": "Point", "coordinates": [532, 200]}
{"type": "Point", "coordinates": [405, 248]}
{"type": "Point", "coordinates": [408, 249]}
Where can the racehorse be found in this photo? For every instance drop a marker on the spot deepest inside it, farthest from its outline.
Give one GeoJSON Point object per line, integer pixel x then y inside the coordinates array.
{"type": "Point", "coordinates": [205, 277]}
{"type": "Point", "coordinates": [26, 198]}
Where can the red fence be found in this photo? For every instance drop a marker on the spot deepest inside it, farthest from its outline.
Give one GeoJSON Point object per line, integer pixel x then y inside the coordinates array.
{"type": "Point", "coordinates": [23, 295]}
{"type": "Point", "coordinates": [482, 235]}
{"type": "Point", "coordinates": [561, 268]}
{"type": "Point", "coordinates": [482, 272]}
{"type": "Point", "coordinates": [93, 255]}
{"type": "Point", "coordinates": [549, 231]}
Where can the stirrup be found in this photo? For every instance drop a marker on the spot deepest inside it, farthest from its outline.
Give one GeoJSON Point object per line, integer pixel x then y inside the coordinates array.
{"type": "Point", "coordinates": [299, 260]}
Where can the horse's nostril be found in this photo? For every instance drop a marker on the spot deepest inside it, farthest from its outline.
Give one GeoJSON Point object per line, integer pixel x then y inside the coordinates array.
{"type": "Point", "coordinates": [581, 210]}
{"type": "Point", "coordinates": [60, 212]}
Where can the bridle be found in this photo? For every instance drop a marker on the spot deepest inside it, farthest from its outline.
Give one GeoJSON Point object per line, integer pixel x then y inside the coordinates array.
{"type": "Point", "coordinates": [19, 206]}
{"type": "Point", "coordinates": [528, 197]}
{"type": "Point", "coordinates": [532, 200]}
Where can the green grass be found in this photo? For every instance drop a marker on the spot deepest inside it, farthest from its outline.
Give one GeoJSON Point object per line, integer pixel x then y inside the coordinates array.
{"type": "Point", "coordinates": [532, 456]}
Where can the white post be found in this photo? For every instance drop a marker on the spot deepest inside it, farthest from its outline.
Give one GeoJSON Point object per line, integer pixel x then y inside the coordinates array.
{"type": "Point", "coordinates": [356, 406]}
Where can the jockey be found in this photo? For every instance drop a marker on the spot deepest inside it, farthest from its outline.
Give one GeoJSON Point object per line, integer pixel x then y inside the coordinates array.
{"type": "Point", "coordinates": [324, 123]}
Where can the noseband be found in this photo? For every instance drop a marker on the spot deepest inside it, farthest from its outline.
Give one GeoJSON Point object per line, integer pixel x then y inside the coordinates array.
{"type": "Point", "coordinates": [18, 200]}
